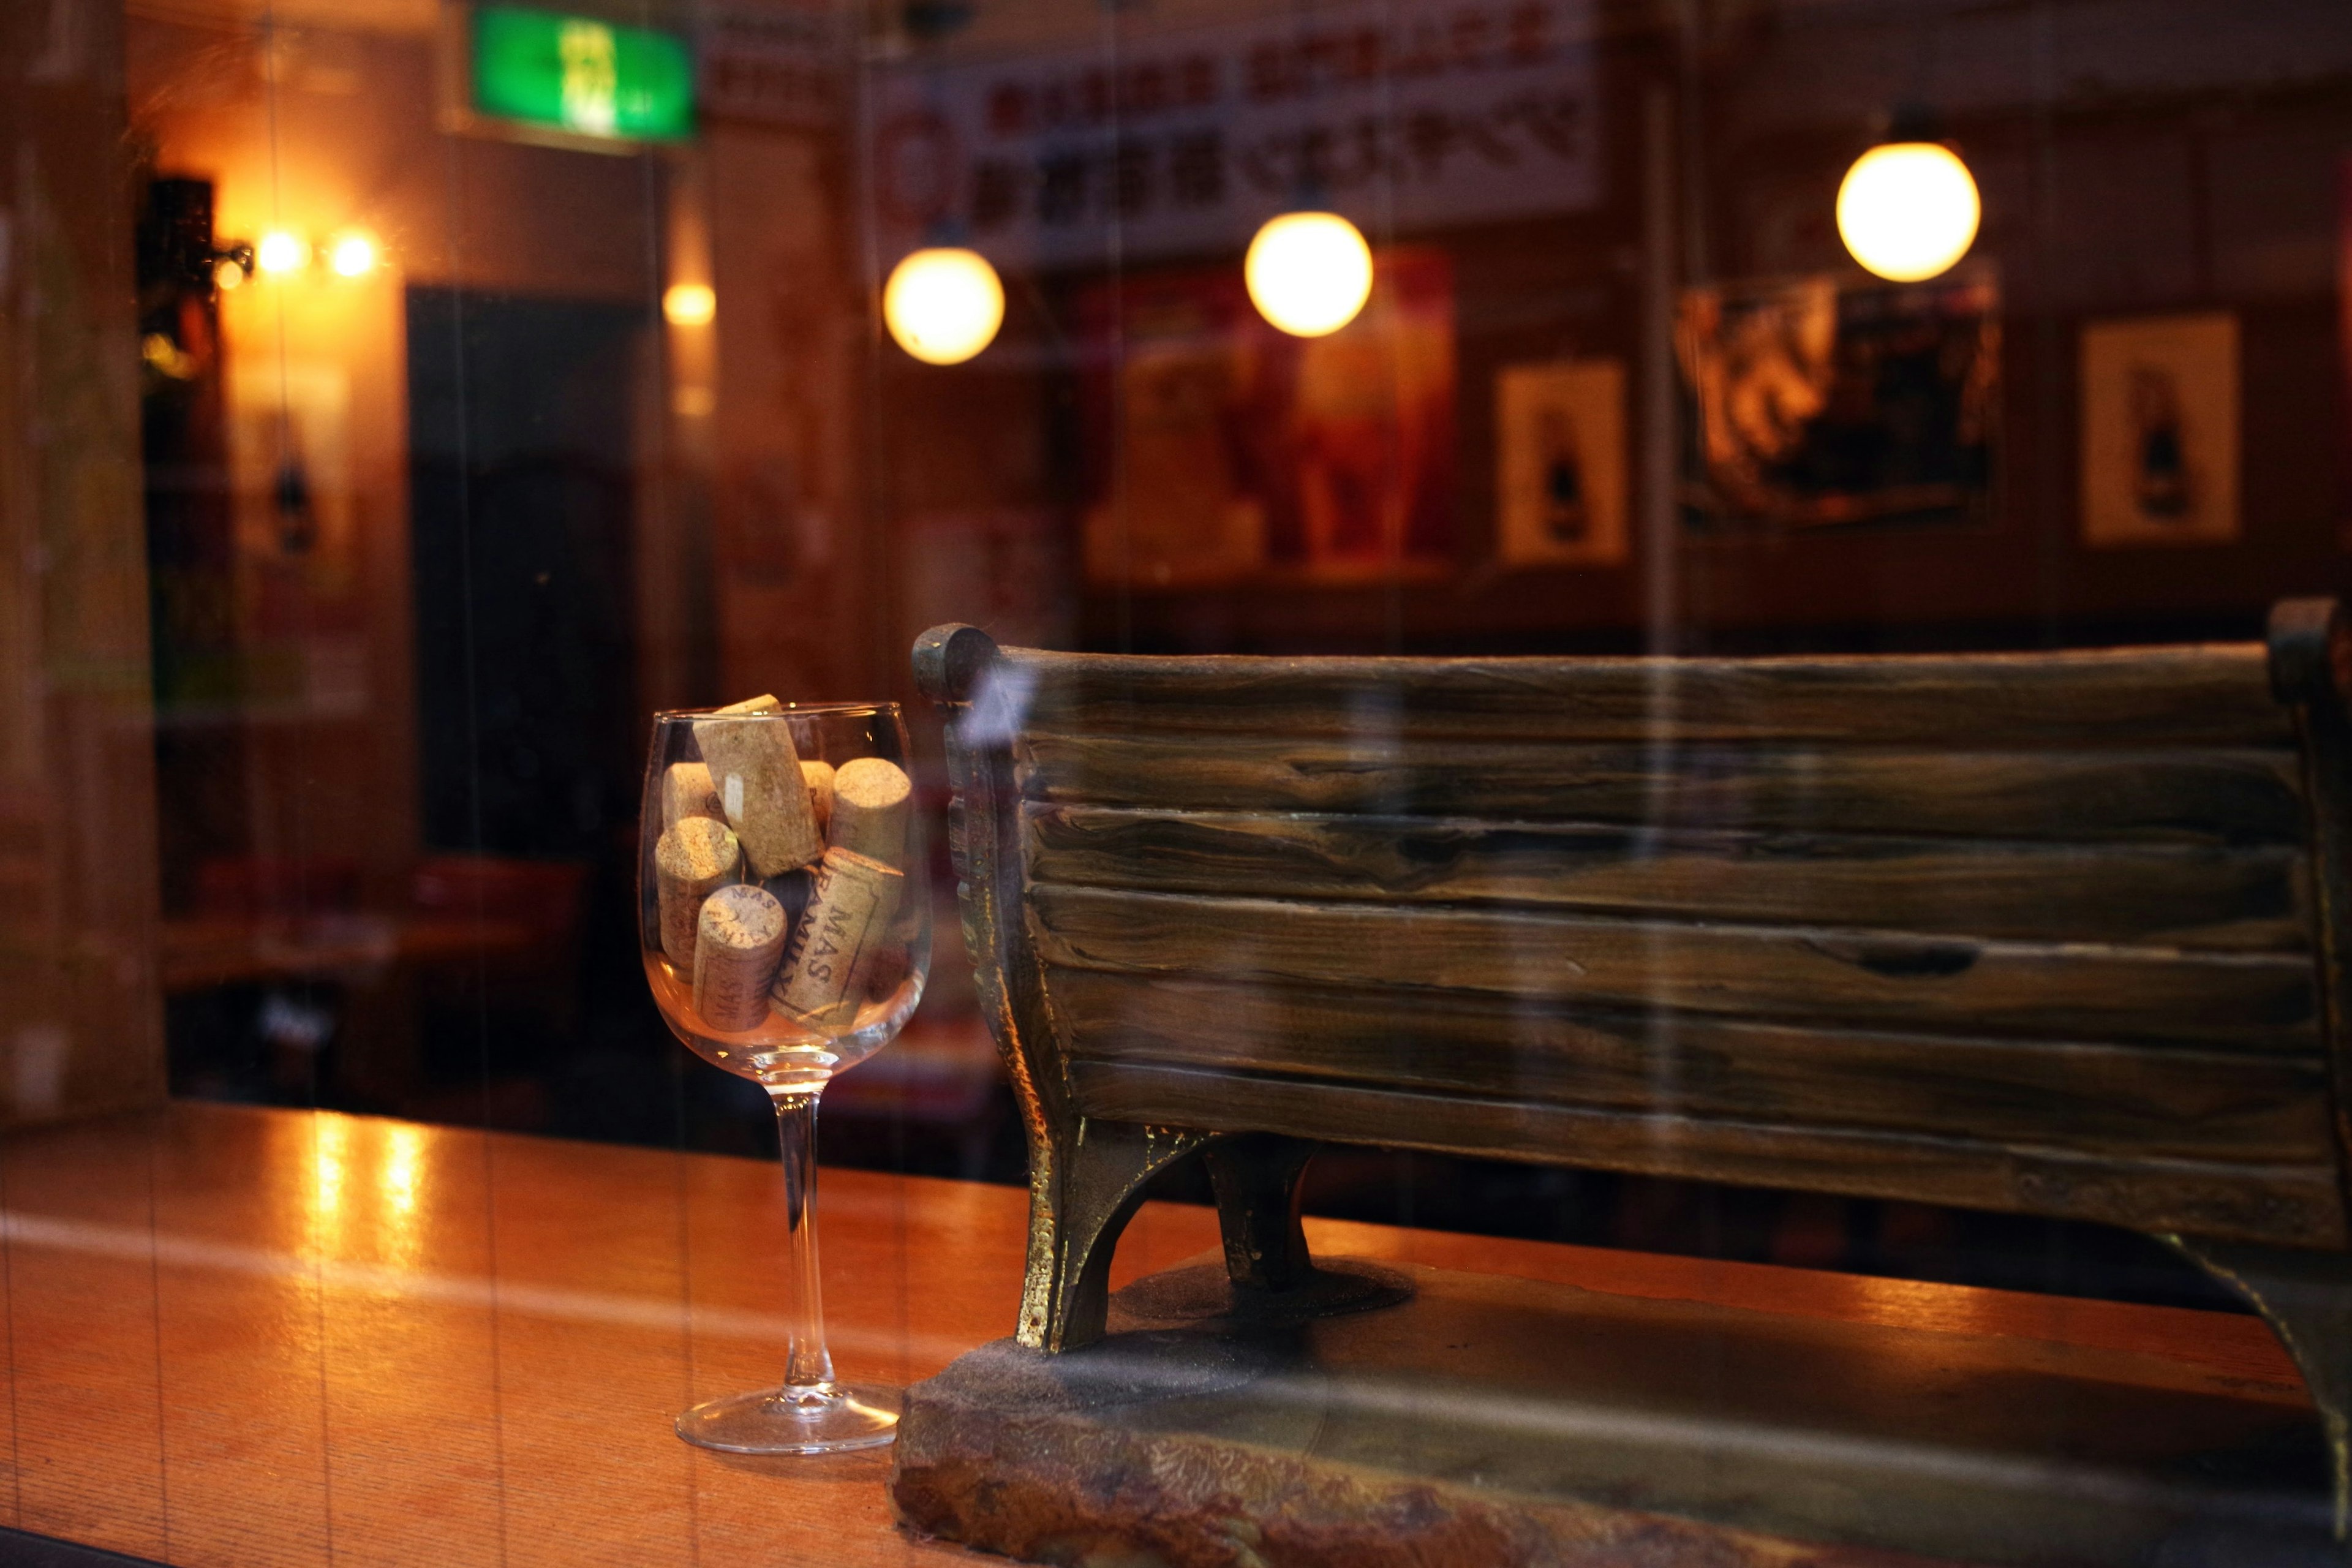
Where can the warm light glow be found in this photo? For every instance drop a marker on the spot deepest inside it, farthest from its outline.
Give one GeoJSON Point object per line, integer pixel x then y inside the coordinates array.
{"type": "Point", "coordinates": [1908, 210]}
{"type": "Point", "coordinates": [688, 304]}
{"type": "Point", "coordinates": [1308, 273]}
{"type": "Point", "coordinates": [228, 273]}
{"type": "Point", "coordinates": [352, 254]}
{"type": "Point", "coordinates": [404, 1147]}
{"type": "Point", "coordinates": [281, 252]}
{"type": "Point", "coordinates": [943, 306]}
{"type": "Point", "coordinates": [333, 1134]}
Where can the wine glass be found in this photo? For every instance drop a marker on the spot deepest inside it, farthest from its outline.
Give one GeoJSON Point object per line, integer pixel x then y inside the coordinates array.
{"type": "Point", "coordinates": [784, 913]}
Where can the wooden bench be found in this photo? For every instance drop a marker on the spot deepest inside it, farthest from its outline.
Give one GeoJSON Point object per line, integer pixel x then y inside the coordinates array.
{"type": "Point", "coordinates": [2061, 935]}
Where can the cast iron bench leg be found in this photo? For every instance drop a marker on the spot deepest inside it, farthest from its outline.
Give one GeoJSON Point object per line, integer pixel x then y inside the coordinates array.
{"type": "Point", "coordinates": [1257, 1179]}
{"type": "Point", "coordinates": [1082, 1192]}
{"type": "Point", "coordinates": [2306, 1296]}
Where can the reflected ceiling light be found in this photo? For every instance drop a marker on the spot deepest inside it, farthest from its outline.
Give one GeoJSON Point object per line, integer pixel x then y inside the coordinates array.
{"type": "Point", "coordinates": [281, 253]}
{"type": "Point", "coordinates": [688, 304]}
{"type": "Point", "coordinates": [228, 273]}
{"type": "Point", "coordinates": [1908, 210]}
{"type": "Point", "coordinates": [944, 305]}
{"type": "Point", "coordinates": [1308, 273]}
{"type": "Point", "coordinates": [353, 254]}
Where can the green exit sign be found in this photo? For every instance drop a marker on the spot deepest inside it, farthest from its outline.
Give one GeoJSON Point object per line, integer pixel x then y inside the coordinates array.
{"type": "Point", "coordinates": [577, 74]}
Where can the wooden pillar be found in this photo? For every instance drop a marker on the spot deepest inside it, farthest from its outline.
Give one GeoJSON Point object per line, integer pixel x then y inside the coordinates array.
{"type": "Point", "coordinates": [81, 1026]}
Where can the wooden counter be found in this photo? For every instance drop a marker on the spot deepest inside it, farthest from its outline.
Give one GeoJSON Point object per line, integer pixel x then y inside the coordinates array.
{"type": "Point", "coordinates": [256, 1337]}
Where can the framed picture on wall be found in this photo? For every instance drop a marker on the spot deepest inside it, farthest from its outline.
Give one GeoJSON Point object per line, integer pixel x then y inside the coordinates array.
{"type": "Point", "coordinates": [1820, 401]}
{"type": "Point", "coordinates": [1559, 464]}
{"type": "Point", "coordinates": [2160, 430]}
{"type": "Point", "coordinates": [1219, 449]}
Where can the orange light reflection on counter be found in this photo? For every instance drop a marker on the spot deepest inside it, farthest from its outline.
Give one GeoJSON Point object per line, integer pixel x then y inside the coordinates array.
{"type": "Point", "coordinates": [404, 1146]}
{"type": "Point", "coordinates": [330, 1139]}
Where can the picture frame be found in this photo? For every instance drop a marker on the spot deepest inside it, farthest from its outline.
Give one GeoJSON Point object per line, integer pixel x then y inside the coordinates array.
{"type": "Point", "coordinates": [2160, 443]}
{"type": "Point", "coordinates": [1559, 464]}
{"type": "Point", "coordinates": [1830, 402]}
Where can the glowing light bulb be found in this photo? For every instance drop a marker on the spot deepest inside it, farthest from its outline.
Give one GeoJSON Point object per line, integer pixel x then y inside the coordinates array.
{"type": "Point", "coordinates": [944, 305]}
{"type": "Point", "coordinates": [1308, 273]}
{"type": "Point", "coordinates": [281, 253]}
{"type": "Point", "coordinates": [688, 304]}
{"type": "Point", "coordinates": [1908, 210]}
{"type": "Point", "coordinates": [353, 254]}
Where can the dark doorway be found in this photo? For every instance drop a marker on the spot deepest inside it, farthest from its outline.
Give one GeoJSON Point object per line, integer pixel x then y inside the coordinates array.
{"type": "Point", "coordinates": [522, 476]}
{"type": "Point", "coordinates": [520, 480]}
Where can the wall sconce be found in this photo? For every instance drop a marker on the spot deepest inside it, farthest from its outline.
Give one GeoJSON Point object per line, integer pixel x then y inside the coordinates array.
{"type": "Point", "coordinates": [944, 305]}
{"type": "Point", "coordinates": [353, 254]}
{"type": "Point", "coordinates": [689, 305]}
{"type": "Point", "coordinates": [281, 252]}
{"type": "Point", "coordinates": [1308, 272]}
{"type": "Point", "coordinates": [1908, 210]}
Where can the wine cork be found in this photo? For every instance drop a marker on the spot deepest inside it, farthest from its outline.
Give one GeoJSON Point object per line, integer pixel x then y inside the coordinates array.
{"type": "Point", "coordinates": [847, 924]}
{"type": "Point", "coordinates": [687, 791]}
{"type": "Point", "coordinates": [820, 786]}
{"type": "Point", "coordinates": [692, 860]}
{"type": "Point", "coordinates": [872, 799]}
{"type": "Point", "coordinates": [764, 703]}
{"type": "Point", "coordinates": [760, 788]}
{"type": "Point", "coordinates": [738, 942]}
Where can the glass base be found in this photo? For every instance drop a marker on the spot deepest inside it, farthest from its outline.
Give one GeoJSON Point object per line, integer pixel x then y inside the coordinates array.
{"type": "Point", "coordinates": [831, 1419]}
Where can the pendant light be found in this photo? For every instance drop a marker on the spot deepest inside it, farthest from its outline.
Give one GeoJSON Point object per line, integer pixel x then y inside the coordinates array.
{"type": "Point", "coordinates": [943, 304]}
{"type": "Point", "coordinates": [1308, 273]}
{"type": "Point", "coordinates": [1908, 208]}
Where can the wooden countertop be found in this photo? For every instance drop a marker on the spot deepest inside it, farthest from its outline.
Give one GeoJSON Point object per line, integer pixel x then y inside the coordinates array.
{"type": "Point", "coordinates": [261, 1337]}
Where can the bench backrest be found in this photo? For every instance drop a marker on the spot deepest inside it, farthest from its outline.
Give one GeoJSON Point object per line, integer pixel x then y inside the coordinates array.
{"type": "Point", "coordinates": [2048, 932]}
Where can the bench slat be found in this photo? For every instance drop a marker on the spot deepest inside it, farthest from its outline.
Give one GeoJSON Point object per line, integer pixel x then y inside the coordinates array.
{"type": "Point", "coordinates": [2254, 1001]}
{"type": "Point", "coordinates": [2090, 1099]}
{"type": "Point", "coordinates": [2200, 897]}
{"type": "Point", "coordinates": [2214, 695]}
{"type": "Point", "coordinates": [2218, 795]}
{"type": "Point", "coordinates": [2288, 1205]}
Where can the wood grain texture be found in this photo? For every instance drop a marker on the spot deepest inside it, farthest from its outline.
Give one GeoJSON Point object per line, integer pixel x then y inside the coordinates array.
{"type": "Point", "coordinates": [2218, 695]}
{"type": "Point", "coordinates": [2198, 897]}
{"type": "Point", "coordinates": [2226, 795]}
{"type": "Point", "coordinates": [2259, 1003]}
{"type": "Point", "coordinates": [2099, 1098]}
{"type": "Point", "coordinates": [2295, 1205]}
{"type": "Point", "coordinates": [261, 1337]}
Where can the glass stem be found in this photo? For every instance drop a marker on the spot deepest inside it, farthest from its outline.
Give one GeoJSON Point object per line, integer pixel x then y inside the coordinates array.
{"type": "Point", "coordinates": [808, 1365]}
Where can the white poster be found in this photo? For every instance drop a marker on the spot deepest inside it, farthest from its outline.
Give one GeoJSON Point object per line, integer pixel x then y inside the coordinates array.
{"type": "Point", "coordinates": [1403, 116]}
{"type": "Point", "coordinates": [776, 65]}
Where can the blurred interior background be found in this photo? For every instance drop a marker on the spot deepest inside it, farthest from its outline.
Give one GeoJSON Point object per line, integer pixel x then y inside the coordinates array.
{"type": "Point", "coordinates": [500, 375]}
